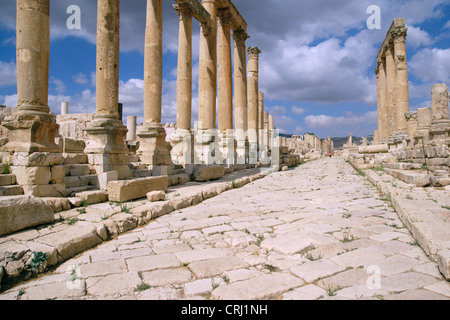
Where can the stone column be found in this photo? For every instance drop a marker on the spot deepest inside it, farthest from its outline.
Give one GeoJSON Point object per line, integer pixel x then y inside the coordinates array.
{"type": "Point", "coordinates": [271, 130]}
{"type": "Point", "coordinates": [266, 137]}
{"type": "Point", "coordinates": [440, 125]}
{"type": "Point", "coordinates": [131, 126]}
{"type": "Point", "coordinates": [252, 102]}
{"type": "Point", "coordinates": [32, 128]}
{"type": "Point", "coordinates": [105, 146]}
{"type": "Point", "coordinates": [207, 70]}
{"type": "Point", "coordinates": [225, 86]}
{"type": "Point", "coordinates": [153, 150]}
{"type": "Point", "coordinates": [383, 112]}
{"type": "Point", "coordinates": [391, 89]}
{"type": "Point", "coordinates": [261, 121]}
{"type": "Point", "coordinates": [240, 94]}
{"type": "Point", "coordinates": [64, 108]}
{"type": "Point", "coordinates": [402, 94]}
{"type": "Point", "coordinates": [225, 83]}
{"type": "Point", "coordinates": [31, 149]}
{"type": "Point", "coordinates": [182, 147]}
{"type": "Point", "coordinates": [207, 149]}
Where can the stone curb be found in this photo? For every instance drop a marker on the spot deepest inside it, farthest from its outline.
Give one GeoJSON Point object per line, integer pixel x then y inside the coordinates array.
{"type": "Point", "coordinates": [63, 241]}
{"type": "Point", "coordinates": [430, 231]}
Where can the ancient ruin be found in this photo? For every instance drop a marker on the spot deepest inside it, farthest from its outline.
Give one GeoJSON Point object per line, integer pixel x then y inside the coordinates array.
{"type": "Point", "coordinates": [69, 182]}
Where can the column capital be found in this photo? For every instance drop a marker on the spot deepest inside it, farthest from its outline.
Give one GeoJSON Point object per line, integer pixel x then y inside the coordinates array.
{"type": "Point", "coordinates": [240, 36]}
{"type": "Point", "coordinates": [253, 52]}
{"type": "Point", "coordinates": [398, 34]}
{"type": "Point", "coordinates": [184, 10]}
{"type": "Point", "coordinates": [224, 17]}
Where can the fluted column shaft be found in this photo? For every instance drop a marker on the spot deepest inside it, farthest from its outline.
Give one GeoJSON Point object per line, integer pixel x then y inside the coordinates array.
{"type": "Point", "coordinates": [402, 106]}
{"type": "Point", "coordinates": [184, 73]}
{"type": "Point", "coordinates": [33, 51]}
{"type": "Point", "coordinates": [207, 70]}
{"type": "Point", "coordinates": [108, 49]}
{"type": "Point", "coordinates": [240, 80]}
{"type": "Point", "coordinates": [225, 81]}
{"type": "Point", "coordinates": [153, 63]}
{"type": "Point", "coordinates": [391, 90]}
{"type": "Point", "coordinates": [253, 91]}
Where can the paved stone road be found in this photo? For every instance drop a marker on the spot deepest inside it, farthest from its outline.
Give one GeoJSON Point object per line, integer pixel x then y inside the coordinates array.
{"type": "Point", "coordinates": [319, 231]}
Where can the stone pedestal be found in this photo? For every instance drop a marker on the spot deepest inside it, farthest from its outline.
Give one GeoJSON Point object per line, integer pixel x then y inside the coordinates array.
{"type": "Point", "coordinates": [153, 150]}
{"type": "Point", "coordinates": [422, 134]}
{"type": "Point", "coordinates": [182, 152]}
{"type": "Point", "coordinates": [228, 148]}
{"type": "Point", "coordinates": [207, 147]}
{"type": "Point", "coordinates": [440, 125]}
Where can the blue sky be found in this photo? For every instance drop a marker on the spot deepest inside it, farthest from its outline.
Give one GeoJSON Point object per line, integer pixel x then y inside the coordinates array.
{"type": "Point", "coordinates": [316, 67]}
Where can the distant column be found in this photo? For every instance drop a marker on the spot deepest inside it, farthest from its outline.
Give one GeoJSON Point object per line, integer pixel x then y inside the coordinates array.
{"type": "Point", "coordinates": [391, 89]}
{"type": "Point", "coordinates": [131, 126]}
{"type": "Point", "coordinates": [402, 98]}
{"type": "Point", "coordinates": [65, 108]}
{"type": "Point", "coordinates": [252, 101]}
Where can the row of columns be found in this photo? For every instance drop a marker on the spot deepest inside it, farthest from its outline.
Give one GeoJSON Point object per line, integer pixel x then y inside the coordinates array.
{"type": "Point", "coordinates": [106, 132]}
{"type": "Point", "coordinates": [392, 83]}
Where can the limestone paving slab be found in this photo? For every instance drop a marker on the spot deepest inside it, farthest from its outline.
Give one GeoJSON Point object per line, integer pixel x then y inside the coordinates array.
{"type": "Point", "coordinates": [260, 246]}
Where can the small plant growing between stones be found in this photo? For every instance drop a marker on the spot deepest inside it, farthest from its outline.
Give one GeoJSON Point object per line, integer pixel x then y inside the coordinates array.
{"type": "Point", "coordinates": [346, 215]}
{"type": "Point", "coordinates": [20, 294]}
{"type": "Point", "coordinates": [347, 238]}
{"type": "Point", "coordinates": [73, 221]}
{"type": "Point", "coordinates": [124, 208]}
{"type": "Point", "coordinates": [331, 290]}
{"type": "Point", "coordinates": [445, 207]}
{"type": "Point", "coordinates": [142, 287]}
{"type": "Point", "coordinates": [7, 168]}
{"type": "Point", "coordinates": [38, 262]}
{"type": "Point", "coordinates": [409, 197]}
{"type": "Point", "coordinates": [84, 203]}
{"type": "Point", "coordinates": [225, 278]}
{"type": "Point", "coordinates": [310, 257]}
{"type": "Point", "coordinates": [259, 239]}
{"type": "Point", "coordinates": [214, 284]}
{"type": "Point", "coordinates": [81, 210]}
{"type": "Point", "coordinates": [270, 268]}
{"type": "Point", "coordinates": [378, 168]}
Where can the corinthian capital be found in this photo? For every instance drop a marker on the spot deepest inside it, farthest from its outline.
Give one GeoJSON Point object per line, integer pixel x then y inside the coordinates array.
{"type": "Point", "coordinates": [240, 36]}
{"type": "Point", "coordinates": [253, 52]}
{"type": "Point", "coordinates": [399, 34]}
{"type": "Point", "coordinates": [183, 10]}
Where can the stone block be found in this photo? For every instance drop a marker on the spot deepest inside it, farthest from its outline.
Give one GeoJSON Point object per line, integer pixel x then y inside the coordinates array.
{"type": "Point", "coordinates": [32, 175]}
{"type": "Point", "coordinates": [80, 237]}
{"type": "Point", "coordinates": [105, 177]}
{"type": "Point", "coordinates": [80, 170]}
{"type": "Point", "coordinates": [11, 191]}
{"type": "Point", "coordinates": [72, 182]}
{"type": "Point", "coordinates": [93, 197]}
{"type": "Point", "coordinates": [207, 173]}
{"type": "Point", "coordinates": [122, 191]}
{"type": "Point", "coordinates": [20, 212]}
{"type": "Point", "coordinates": [37, 159]}
{"type": "Point", "coordinates": [7, 179]}
{"type": "Point", "coordinates": [46, 191]}
{"type": "Point", "coordinates": [57, 174]}
{"type": "Point", "coordinates": [89, 180]}
{"type": "Point", "coordinates": [154, 196]}
{"type": "Point", "coordinates": [58, 204]}
{"type": "Point", "coordinates": [75, 158]}
{"type": "Point", "coordinates": [73, 146]}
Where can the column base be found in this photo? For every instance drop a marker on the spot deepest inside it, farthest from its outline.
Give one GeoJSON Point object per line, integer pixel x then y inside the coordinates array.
{"type": "Point", "coordinates": [207, 147]}
{"type": "Point", "coordinates": [228, 149]}
{"type": "Point", "coordinates": [182, 152]}
{"type": "Point", "coordinates": [106, 148]}
{"type": "Point", "coordinates": [440, 132]}
{"type": "Point", "coordinates": [153, 150]}
{"type": "Point", "coordinates": [31, 133]}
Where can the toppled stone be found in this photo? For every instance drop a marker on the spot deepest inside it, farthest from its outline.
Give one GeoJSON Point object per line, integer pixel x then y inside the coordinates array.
{"type": "Point", "coordinates": [122, 191]}
{"type": "Point", "coordinates": [58, 204]}
{"type": "Point", "coordinates": [154, 196]}
{"type": "Point", "coordinates": [20, 212]}
{"type": "Point", "coordinates": [207, 173]}
{"type": "Point", "coordinates": [93, 197]}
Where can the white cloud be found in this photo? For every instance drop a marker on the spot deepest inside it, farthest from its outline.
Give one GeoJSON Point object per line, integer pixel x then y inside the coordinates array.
{"type": "Point", "coordinates": [58, 85]}
{"type": "Point", "coordinates": [431, 65]}
{"type": "Point", "coordinates": [80, 78]}
{"type": "Point", "coordinates": [8, 74]}
{"type": "Point", "coordinates": [348, 119]}
{"type": "Point", "coordinates": [297, 110]}
{"type": "Point", "coordinates": [417, 37]}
